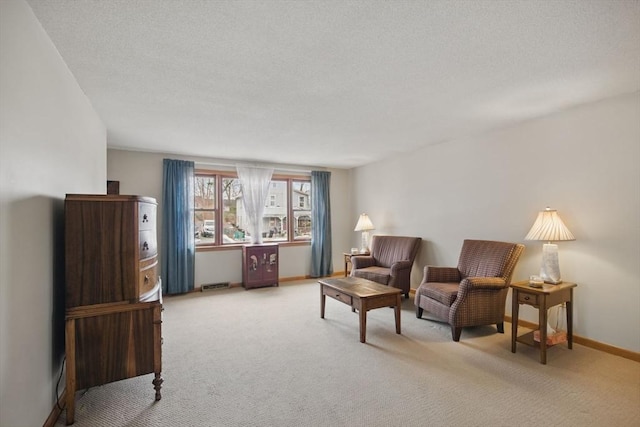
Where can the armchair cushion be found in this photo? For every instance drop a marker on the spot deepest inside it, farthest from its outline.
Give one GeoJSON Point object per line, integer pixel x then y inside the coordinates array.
{"type": "Point", "coordinates": [444, 293]}
{"type": "Point", "coordinates": [376, 274]}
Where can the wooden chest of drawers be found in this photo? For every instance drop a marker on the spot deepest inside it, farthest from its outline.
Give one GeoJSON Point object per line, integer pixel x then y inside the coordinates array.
{"type": "Point", "coordinates": [110, 248]}
{"type": "Point", "coordinates": [113, 296]}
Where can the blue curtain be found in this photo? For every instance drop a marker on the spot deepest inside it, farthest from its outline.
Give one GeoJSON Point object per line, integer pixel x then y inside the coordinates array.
{"type": "Point", "coordinates": [321, 264]}
{"type": "Point", "coordinates": [178, 238]}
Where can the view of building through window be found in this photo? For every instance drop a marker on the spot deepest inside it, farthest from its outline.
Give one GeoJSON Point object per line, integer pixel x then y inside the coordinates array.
{"type": "Point", "coordinates": [287, 198]}
{"type": "Point", "coordinates": [301, 193]}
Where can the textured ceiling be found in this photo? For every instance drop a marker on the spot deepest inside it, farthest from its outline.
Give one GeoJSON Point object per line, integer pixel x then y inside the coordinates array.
{"type": "Point", "coordinates": [335, 83]}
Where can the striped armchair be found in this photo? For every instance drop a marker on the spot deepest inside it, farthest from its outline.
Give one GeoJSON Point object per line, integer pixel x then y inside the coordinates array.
{"type": "Point", "coordinates": [475, 292]}
{"type": "Point", "coordinates": [390, 261]}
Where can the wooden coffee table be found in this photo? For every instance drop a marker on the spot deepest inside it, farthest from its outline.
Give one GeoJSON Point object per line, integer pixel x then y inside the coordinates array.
{"type": "Point", "coordinates": [362, 295]}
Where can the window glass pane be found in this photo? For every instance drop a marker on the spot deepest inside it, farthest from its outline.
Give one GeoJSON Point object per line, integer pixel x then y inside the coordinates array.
{"type": "Point", "coordinates": [233, 217]}
{"type": "Point", "coordinates": [205, 192]}
{"type": "Point", "coordinates": [301, 199]}
{"type": "Point", "coordinates": [204, 214]}
{"type": "Point", "coordinates": [205, 226]}
{"type": "Point", "coordinates": [274, 219]}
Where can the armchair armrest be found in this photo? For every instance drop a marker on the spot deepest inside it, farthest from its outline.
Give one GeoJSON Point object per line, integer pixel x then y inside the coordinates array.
{"type": "Point", "coordinates": [441, 274]}
{"type": "Point", "coordinates": [362, 261]}
{"type": "Point", "coordinates": [471, 283]}
{"type": "Point", "coordinates": [480, 301]}
{"type": "Point", "coordinates": [400, 265]}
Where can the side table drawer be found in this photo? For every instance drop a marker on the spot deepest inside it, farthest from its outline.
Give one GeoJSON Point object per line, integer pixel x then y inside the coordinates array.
{"type": "Point", "coordinates": [530, 299]}
{"type": "Point", "coordinates": [338, 295]}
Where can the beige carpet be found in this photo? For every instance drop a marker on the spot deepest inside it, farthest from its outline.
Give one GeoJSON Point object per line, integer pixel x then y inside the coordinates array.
{"type": "Point", "coordinates": [265, 358]}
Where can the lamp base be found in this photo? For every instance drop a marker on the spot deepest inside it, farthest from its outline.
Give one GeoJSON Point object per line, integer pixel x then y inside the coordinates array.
{"type": "Point", "coordinates": [365, 242]}
{"type": "Point", "coordinates": [550, 268]}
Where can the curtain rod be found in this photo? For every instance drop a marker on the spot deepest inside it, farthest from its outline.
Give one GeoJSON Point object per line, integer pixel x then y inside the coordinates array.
{"type": "Point", "coordinates": [274, 167]}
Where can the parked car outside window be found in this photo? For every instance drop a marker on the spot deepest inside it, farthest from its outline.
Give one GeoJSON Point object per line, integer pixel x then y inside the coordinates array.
{"type": "Point", "coordinates": [209, 228]}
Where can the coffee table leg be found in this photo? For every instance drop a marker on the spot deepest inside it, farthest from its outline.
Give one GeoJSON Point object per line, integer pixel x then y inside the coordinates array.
{"type": "Point", "coordinates": [397, 313]}
{"type": "Point", "coordinates": [322, 299]}
{"type": "Point", "coordinates": [363, 320]}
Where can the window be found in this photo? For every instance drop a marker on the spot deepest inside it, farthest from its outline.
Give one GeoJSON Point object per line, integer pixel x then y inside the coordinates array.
{"type": "Point", "coordinates": [288, 198]}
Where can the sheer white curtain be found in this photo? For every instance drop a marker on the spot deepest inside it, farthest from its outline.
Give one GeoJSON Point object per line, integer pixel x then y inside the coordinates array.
{"type": "Point", "coordinates": [255, 188]}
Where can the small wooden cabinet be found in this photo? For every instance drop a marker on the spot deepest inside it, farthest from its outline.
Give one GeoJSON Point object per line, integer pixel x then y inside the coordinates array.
{"type": "Point", "coordinates": [113, 293]}
{"type": "Point", "coordinates": [259, 265]}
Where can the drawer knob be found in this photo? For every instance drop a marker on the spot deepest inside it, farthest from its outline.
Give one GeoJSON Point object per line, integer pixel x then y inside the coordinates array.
{"type": "Point", "coordinates": [146, 278]}
{"type": "Point", "coordinates": [145, 246]}
{"type": "Point", "coordinates": [527, 298]}
{"type": "Point", "coordinates": [145, 218]}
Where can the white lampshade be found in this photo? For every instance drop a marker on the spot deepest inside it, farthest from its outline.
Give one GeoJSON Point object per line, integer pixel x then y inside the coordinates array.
{"type": "Point", "coordinates": [364, 223]}
{"type": "Point", "coordinates": [549, 227]}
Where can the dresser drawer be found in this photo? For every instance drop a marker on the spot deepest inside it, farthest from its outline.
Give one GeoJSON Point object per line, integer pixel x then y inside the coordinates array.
{"type": "Point", "coordinates": [148, 244]}
{"type": "Point", "coordinates": [146, 216]}
{"type": "Point", "coordinates": [148, 276]}
{"type": "Point", "coordinates": [530, 299]}
{"type": "Point", "coordinates": [347, 299]}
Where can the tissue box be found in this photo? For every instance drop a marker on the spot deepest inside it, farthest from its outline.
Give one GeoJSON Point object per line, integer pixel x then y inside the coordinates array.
{"type": "Point", "coordinates": [553, 339]}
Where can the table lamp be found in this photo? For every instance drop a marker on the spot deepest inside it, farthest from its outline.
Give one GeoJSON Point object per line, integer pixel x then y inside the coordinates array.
{"type": "Point", "coordinates": [550, 228]}
{"type": "Point", "coordinates": [365, 225]}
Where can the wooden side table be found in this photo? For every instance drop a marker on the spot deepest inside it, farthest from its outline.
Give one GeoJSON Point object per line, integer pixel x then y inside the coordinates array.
{"type": "Point", "coordinates": [541, 298]}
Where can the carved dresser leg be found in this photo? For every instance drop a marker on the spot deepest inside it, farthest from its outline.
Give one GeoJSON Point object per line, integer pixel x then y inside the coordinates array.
{"type": "Point", "coordinates": [157, 385]}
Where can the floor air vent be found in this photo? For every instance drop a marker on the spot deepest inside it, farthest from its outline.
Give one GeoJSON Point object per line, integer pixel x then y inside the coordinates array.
{"type": "Point", "coordinates": [211, 286]}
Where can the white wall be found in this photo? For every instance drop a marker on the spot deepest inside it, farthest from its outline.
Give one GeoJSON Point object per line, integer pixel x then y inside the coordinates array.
{"type": "Point", "coordinates": [140, 173]}
{"type": "Point", "coordinates": [584, 162]}
{"type": "Point", "coordinates": [51, 143]}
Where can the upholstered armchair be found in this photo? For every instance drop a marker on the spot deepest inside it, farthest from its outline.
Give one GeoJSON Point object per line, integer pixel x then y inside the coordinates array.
{"type": "Point", "coordinates": [390, 261]}
{"type": "Point", "coordinates": [475, 292]}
